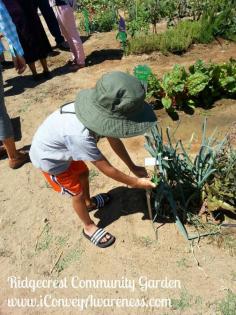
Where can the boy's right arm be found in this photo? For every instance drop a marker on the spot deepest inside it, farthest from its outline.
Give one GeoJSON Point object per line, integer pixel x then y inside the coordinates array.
{"type": "Point", "coordinates": [106, 168]}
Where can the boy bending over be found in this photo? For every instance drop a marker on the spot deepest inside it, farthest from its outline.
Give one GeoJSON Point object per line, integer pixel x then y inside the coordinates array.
{"type": "Point", "coordinates": [114, 109]}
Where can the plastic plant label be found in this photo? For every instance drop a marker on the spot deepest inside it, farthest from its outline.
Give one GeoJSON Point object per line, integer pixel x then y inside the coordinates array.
{"type": "Point", "coordinates": [142, 72]}
{"type": "Point", "coordinates": [149, 161]}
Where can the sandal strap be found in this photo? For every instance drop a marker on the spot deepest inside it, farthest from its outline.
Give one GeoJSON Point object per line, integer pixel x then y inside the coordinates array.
{"type": "Point", "coordinates": [100, 200]}
{"type": "Point", "coordinates": [98, 236]}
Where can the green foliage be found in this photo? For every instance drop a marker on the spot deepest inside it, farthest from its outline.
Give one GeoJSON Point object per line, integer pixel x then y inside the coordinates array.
{"type": "Point", "coordinates": [153, 87]}
{"type": "Point", "coordinates": [196, 83]}
{"type": "Point", "coordinates": [72, 256]}
{"type": "Point", "coordinates": [210, 18]}
{"type": "Point", "coordinates": [227, 77]}
{"type": "Point", "coordinates": [103, 21]}
{"type": "Point", "coordinates": [183, 303]}
{"type": "Point", "coordinates": [201, 86]}
{"type": "Point", "coordinates": [175, 40]}
{"type": "Point", "coordinates": [220, 191]}
{"type": "Point", "coordinates": [182, 179]}
{"type": "Point", "coordinates": [228, 305]}
{"type": "Point", "coordinates": [138, 18]}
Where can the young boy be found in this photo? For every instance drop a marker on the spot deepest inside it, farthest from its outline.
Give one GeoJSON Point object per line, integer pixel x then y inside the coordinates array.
{"type": "Point", "coordinates": [114, 109]}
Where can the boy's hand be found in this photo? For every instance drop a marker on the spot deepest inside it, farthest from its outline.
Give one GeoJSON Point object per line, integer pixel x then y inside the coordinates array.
{"type": "Point", "coordinates": [139, 171]}
{"type": "Point", "coordinates": [144, 183]}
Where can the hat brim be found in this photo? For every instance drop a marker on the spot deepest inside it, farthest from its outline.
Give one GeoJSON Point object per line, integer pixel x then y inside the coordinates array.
{"type": "Point", "coordinates": [106, 124]}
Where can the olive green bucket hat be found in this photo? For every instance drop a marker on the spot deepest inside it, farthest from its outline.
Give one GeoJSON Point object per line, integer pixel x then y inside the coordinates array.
{"type": "Point", "coordinates": [115, 107]}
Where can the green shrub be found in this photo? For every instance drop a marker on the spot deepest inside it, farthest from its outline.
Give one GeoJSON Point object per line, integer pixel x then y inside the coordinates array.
{"type": "Point", "coordinates": [103, 21]}
{"type": "Point", "coordinates": [175, 40]}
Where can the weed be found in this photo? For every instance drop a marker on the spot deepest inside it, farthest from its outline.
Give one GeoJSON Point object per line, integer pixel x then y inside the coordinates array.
{"type": "Point", "coordinates": [45, 238]}
{"type": "Point", "coordinates": [72, 256]}
{"type": "Point", "coordinates": [92, 174]}
{"type": "Point", "coordinates": [146, 241]}
{"type": "Point", "coordinates": [62, 240]}
{"type": "Point", "coordinates": [182, 263]}
{"type": "Point", "coordinates": [228, 305]}
{"type": "Point", "coordinates": [228, 242]}
{"type": "Point", "coordinates": [24, 108]}
{"type": "Point", "coordinates": [183, 302]}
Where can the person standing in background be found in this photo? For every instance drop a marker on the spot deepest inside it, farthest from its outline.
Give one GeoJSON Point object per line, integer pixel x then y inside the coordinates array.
{"type": "Point", "coordinates": [65, 15]}
{"type": "Point", "coordinates": [31, 33]}
{"type": "Point", "coordinates": [50, 19]}
{"type": "Point", "coordinates": [7, 28]}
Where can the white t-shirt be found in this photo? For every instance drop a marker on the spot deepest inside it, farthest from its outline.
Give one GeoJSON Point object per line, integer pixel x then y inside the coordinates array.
{"type": "Point", "coordinates": [60, 139]}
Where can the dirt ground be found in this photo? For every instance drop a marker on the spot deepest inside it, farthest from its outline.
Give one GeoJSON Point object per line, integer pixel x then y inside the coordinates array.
{"type": "Point", "coordinates": [41, 236]}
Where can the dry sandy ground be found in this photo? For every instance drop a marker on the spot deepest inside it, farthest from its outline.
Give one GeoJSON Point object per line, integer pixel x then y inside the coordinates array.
{"type": "Point", "coordinates": [41, 235]}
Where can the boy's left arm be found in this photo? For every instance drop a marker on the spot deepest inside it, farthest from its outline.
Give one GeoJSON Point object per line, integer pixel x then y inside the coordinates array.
{"type": "Point", "coordinates": [119, 148]}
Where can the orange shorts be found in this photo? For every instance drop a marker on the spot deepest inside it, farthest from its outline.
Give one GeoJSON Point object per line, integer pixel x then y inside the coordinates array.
{"type": "Point", "coordinates": [68, 182]}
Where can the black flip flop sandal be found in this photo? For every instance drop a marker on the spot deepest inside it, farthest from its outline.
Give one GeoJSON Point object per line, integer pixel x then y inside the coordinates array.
{"type": "Point", "coordinates": [99, 201]}
{"type": "Point", "coordinates": [98, 236]}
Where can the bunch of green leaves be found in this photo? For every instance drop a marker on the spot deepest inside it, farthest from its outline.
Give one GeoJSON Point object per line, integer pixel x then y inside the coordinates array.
{"type": "Point", "coordinates": [103, 21]}
{"type": "Point", "coordinates": [200, 86]}
{"type": "Point", "coordinates": [227, 77]}
{"type": "Point", "coordinates": [180, 178]}
{"type": "Point", "coordinates": [153, 8]}
{"type": "Point", "coordinates": [221, 17]}
{"type": "Point", "coordinates": [220, 190]}
{"type": "Point", "coordinates": [153, 87]}
{"type": "Point", "coordinates": [138, 18]}
{"type": "Point", "coordinates": [173, 84]}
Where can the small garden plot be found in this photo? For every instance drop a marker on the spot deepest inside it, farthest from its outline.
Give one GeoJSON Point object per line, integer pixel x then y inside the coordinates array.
{"type": "Point", "coordinates": [188, 22]}
{"type": "Point", "coordinates": [201, 86]}
{"type": "Point", "coordinates": [188, 187]}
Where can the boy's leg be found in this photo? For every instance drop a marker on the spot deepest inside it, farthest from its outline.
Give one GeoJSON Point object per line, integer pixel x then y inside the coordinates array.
{"type": "Point", "coordinates": [77, 184]}
{"type": "Point", "coordinates": [80, 208]}
{"type": "Point", "coordinates": [84, 181]}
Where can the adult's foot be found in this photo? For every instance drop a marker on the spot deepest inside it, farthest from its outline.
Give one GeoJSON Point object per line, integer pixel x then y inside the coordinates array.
{"type": "Point", "coordinates": [19, 161]}
{"type": "Point", "coordinates": [75, 67]}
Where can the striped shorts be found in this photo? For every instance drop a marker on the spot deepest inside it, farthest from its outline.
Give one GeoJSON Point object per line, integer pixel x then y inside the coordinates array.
{"type": "Point", "coordinates": [68, 183]}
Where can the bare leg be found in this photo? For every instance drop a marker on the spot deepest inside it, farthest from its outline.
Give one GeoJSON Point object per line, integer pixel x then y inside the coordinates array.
{"type": "Point", "coordinates": [44, 65]}
{"type": "Point", "coordinates": [84, 180]}
{"type": "Point", "coordinates": [16, 159]}
{"type": "Point", "coordinates": [80, 208]}
{"type": "Point", "coordinates": [10, 147]}
{"type": "Point", "coordinates": [33, 68]}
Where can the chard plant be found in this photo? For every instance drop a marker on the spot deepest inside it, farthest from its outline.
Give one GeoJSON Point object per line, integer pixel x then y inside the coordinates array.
{"type": "Point", "coordinates": [201, 85]}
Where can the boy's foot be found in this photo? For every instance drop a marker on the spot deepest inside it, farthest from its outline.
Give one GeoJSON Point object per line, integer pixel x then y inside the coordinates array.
{"type": "Point", "coordinates": [19, 161]}
{"type": "Point", "coordinates": [100, 238]}
{"type": "Point", "coordinates": [98, 201]}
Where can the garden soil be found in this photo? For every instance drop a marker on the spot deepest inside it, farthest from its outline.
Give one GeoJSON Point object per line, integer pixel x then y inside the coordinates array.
{"type": "Point", "coordinates": [41, 236]}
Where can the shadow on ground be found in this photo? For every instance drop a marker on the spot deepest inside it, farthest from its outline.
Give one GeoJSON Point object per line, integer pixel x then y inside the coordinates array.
{"type": "Point", "coordinates": [124, 201]}
{"type": "Point", "coordinates": [18, 84]}
{"type": "Point", "coordinates": [98, 56]}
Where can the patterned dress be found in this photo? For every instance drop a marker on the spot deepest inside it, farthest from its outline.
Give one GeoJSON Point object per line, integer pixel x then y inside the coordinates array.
{"type": "Point", "coordinates": [29, 28]}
